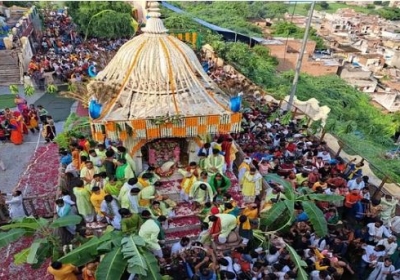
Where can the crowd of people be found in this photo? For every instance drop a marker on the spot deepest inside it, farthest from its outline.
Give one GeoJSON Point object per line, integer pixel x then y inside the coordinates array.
{"type": "Point", "coordinates": [361, 243]}
{"type": "Point", "coordinates": [103, 185]}
{"type": "Point", "coordinates": [14, 124]}
{"type": "Point", "coordinates": [65, 54]}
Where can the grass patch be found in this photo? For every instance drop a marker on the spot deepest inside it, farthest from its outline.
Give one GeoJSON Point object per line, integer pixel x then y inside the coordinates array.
{"type": "Point", "coordinates": [7, 101]}
{"type": "Point", "coordinates": [333, 7]}
{"type": "Point", "coordinates": [374, 153]}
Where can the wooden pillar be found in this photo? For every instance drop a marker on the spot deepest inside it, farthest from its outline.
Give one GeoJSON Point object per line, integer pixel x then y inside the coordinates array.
{"type": "Point", "coordinates": [380, 187]}
{"type": "Point", "coordinates": [294, 113]}
{"type": "Point", "coordinates": [340, 148]}
{"type": "Point", "coordinates": [323, 134]}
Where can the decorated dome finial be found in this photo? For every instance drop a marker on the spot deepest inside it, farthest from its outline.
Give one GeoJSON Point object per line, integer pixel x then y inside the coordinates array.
{"type": "Point", "coordinates": [154, 24]}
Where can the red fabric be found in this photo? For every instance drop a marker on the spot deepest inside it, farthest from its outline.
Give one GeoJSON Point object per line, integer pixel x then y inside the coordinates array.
{"type": "Point", "coordinates": [226, 148]}
{"type": "Point", "coordinates": [216, 228]}
{"type": "Point", "coordinates": [214, 210]}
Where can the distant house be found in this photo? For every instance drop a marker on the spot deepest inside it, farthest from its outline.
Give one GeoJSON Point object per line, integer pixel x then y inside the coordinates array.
{"type": "Point", "coordinates": [287, 53]}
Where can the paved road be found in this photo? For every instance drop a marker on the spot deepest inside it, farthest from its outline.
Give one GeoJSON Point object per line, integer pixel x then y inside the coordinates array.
{"type": "Point", "coordinates": [16, 158]}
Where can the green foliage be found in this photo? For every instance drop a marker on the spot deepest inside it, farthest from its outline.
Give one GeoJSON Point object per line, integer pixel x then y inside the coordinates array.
{"type": "Point", "coordinates": [289, 29]}
{"type": "Point", "coordinates": [14, 89]}
{"type": "Point", "coordinates": [136, 263]}
{"type": "Point", "coordinates": [8, 237]}
{"type": "Point", "coordinates": [112, 265]}
{"type": "Point", "coordinates": [17, 3]}
{"type": "Point", "coordinates": [300, 264]}
{"type": "Point", "coordinates": [29, 90]}
{"type": "Point", "coordinates": [389, 13]}
{"type": "Point", "coordinates": [259, 9]}
{"type": "Point", "coordinates": [51, 88]}
{"type": "Point", "coordinates": [46, 243]}
{"type": "Point", "coordinates": [324, 5]}
{"type": "Point", "coordinates": [74, 126]}
{"type": "Point", "coordinates": [102, 19]}
{"type": "Point", "coordinates": [286, 207]}
{"type": "Point", "coordinates": [232, 15]}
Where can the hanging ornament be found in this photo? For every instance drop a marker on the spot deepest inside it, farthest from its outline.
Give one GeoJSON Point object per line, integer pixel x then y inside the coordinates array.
{"type": "Point", "coordinates": [95, 109]}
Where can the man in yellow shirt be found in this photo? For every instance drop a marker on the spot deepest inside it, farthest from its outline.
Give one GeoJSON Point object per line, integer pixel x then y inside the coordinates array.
{"type": "Point", "coordinates": [96, 199]}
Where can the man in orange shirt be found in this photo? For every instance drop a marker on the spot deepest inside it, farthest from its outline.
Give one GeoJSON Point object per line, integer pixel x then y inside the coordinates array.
{"type": "Point", "coordinates": [350, 200]}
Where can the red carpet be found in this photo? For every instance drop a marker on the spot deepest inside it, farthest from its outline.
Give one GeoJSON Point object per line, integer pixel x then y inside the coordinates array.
{"type": "Point", "coordinates": [40, 178]}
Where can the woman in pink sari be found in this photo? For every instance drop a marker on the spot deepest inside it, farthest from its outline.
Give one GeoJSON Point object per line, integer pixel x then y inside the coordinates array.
{"type": "Point", "coordinates": [20, 102]}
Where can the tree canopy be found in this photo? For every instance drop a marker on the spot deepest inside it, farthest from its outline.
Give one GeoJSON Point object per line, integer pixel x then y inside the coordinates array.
{"type": "Point", "coordinates": [102, 19]}
{"type": "Point", "coordinates": [289, 29]}
{"type": "Point", "coordinates": [389, 13]}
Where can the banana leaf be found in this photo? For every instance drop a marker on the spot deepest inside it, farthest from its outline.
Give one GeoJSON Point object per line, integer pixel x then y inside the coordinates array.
{"type": "Point", "coordinates": [136, 262]}
{"type": "Point", "coordinates": [8, 237]}
{"type": "Point", "coordinates": [83, 254]}
{"type": "Point", "coordinates": [325, 197]}
{"type": "Point", "coordinates": [21, 257]}
{"type": "Point", "coordinates": [316, 217]}
{"type": "Point", "coordinates": [301, 273]}
{"type": "Point", "coordinates": [276, 211]}
{"type": "Point", "coordinates": [66, 221]}
{"type": "Point", "coordinates": [112, 266]}
{"type": "Point", "coordinates": [288, 189]}
{"type": "Point", "coordinates": [32, 256]}
{"type": "Point", "coordinates": [26, 223]}
{"type": "Point", "coordinates": [44, 252]}
{"type": "Point", "coordinates": [153, 269]}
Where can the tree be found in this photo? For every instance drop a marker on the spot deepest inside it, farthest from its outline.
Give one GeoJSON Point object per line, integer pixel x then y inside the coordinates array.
{"type": "Point", "coordinates": [289, 29]}
{"type": "Point", "coordinates": [119, 252]}
{"type": "Point", "coordinates": [282, 214]}
{"type": "Point", "coordinates": [46, 244]}
{"type": "Point", "coordinates": [324, 5]}
{"type": "Point", "coordinates": [102, 19]}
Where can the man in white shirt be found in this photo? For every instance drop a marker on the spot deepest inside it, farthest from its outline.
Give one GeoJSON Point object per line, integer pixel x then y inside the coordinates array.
{"type": "Point", "coordinates": [356, 184]}
{"type": "Point", "coordinates": [390, 245]}
{"type": "Point", "coordinates": [326, 157]}
{"type": "Point", "coordinates": [376, 231]}
{"type": "Point", "coordinates": [126, 188]}
{"type": "Point", "coordinates": [370, 256]}
{"type": "Point", "coordinates": [109, 208]}
{"type": "Point", "coordinates": [16, 207]}
{"type": "Point", "coordinates": [180, 245]}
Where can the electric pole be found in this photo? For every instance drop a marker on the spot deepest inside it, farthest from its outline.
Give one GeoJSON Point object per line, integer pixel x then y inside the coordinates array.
{"type": "Point", "coordinates": [300, 59]}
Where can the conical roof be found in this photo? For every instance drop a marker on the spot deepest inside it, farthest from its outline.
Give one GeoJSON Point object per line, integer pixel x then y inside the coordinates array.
{"type": "Point", "coordinates": [158, 75]}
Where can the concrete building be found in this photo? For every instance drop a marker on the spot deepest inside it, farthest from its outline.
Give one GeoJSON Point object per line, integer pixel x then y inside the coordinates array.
{"type": "Point", "coordinates": [357, 77]}
{"type": "Point", "coordinates": [287, 53]}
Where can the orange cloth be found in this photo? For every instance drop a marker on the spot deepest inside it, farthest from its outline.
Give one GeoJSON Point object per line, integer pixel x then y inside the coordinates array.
{"type": "Point", "coordinates": [66, 272]}
{"type": "Point", "coordinates": [351, 199]}
{"type": "Point", "coordinates": [16, 136]}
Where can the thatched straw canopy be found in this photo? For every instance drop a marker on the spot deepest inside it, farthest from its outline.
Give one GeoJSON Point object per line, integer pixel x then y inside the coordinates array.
{"type": "Point", "coordinates": [158, 75]}
{"type": "Point", "coordinates": [155, 87]}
